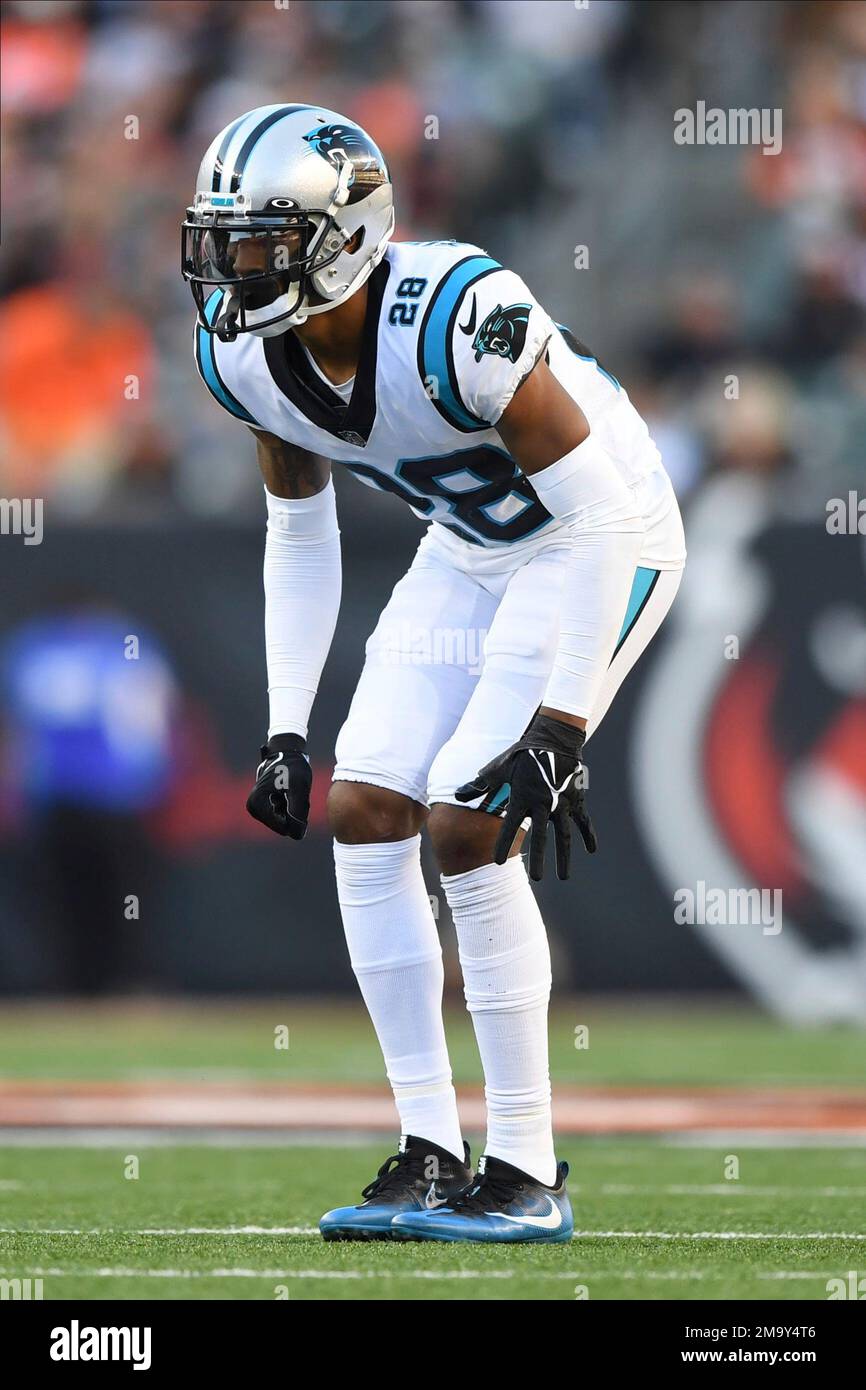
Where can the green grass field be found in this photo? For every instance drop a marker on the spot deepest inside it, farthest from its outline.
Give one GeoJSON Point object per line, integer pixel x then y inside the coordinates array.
{"type": "Point", "coordinates": [621, 1186]}
{"type": "Point", "coordinates": [630, 1043]}
{"type": "Point", "coordinates": [657, 1218]}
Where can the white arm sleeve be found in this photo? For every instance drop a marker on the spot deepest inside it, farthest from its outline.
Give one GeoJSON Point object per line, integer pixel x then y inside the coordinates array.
{"type": "Point", "coordinates": [302, 598]}
{"type": "Point", "coordinates": [586, 491]}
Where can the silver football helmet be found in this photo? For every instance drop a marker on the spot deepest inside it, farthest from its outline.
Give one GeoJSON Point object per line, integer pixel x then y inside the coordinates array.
{"type": "Point", "coordinates": [280, 194]}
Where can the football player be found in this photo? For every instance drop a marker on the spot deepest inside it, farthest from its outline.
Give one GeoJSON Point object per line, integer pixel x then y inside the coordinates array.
{"type": "Point", "coordinates": [551, 532]}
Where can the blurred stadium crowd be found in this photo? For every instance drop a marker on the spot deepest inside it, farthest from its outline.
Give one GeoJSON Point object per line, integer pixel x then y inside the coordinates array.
{"type": "Point", "coordinates": [555, 130]}
{"type": "Point", "coordinates": [725, 288]}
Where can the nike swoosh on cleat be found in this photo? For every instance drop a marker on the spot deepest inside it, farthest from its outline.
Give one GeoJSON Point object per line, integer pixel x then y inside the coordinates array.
{"type": "Point", "coordinates": [550, 1222]}
{"type": "Point", "coordinates": [267, 766]}
{"type": "Point", "coordinates": [470, 326]}
{"type": "Point", "coordinates": [431, 1201]}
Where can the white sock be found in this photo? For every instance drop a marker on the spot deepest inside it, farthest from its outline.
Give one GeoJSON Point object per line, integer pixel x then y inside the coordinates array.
{"type": "Point", "coordinates": [506, 974]}
{"type": "Point", "coordinates": [397, 959]}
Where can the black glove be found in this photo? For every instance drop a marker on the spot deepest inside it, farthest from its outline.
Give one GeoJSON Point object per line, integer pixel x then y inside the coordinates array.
{"type": "Point", "coordinates": [281, 797]}
{"type": "Point", "coordinates": [540, 777]}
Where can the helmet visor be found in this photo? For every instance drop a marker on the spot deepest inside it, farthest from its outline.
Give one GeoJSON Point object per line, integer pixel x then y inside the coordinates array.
{"type": "Point", "coordinates": [260, 262]}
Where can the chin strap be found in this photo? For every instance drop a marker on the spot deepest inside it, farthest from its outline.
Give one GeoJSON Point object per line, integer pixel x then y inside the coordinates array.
{"type": "Point", "coordinates": [345, 179]}
{"type": "Point", "coordinates": [226, 324]}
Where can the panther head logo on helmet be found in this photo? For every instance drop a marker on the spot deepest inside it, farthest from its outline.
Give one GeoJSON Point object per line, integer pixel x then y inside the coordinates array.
{"type": "Point", "coordinates": [293, 211]}
{"type": "Point", "coordinates": [338, 143]}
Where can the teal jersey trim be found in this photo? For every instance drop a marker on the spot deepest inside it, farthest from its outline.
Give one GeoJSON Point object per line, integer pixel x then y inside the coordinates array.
{"type": "Point", "coordinates": [435, 356]}
{"type": "Point", "coordinates": [642, 586]}
{"type": "Point", "coordinates": [500, 798]}
{"type": "Point", "coordinates": [575, 346]}
{"type": "Point", "coordinates": [206, 363]}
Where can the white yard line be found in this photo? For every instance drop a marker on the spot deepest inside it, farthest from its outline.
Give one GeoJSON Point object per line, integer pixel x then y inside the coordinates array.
{"type": "Point", "coordinates": [698, 1274]}
{"type": "Point", "coordinates": [722, 1189]}
{"type": "Point", "coordinates": [314, 1231]}
{"type": "Point", "coordinates": [631, 1146]}
{"type": "Point", "coordinates": [762, 1139]}
{"type": "Point", "coordinates": [720, 1235]}
{"type": "Point", "coordinates": [186, 1137]}
{"type": "Point", "coordinates": [52, 1272]}
{"type": "Point", "coordinates": [161, 1231]}
{"type": "Point", "coordinates": [586, 1276]}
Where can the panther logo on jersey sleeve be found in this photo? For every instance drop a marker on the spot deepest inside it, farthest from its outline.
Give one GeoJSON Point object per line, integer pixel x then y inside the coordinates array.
{"type": "Point", "coordinates": [503, 332]}
{"type": "Point", "coordinates": [495, 336]}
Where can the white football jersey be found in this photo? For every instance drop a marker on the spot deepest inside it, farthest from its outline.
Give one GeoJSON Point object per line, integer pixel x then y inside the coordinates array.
{"type": "Point", "coordinates": [449, 336]}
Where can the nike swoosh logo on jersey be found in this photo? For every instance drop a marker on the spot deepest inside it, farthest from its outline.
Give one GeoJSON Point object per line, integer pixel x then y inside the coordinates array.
{"type": "Point", "coordinates": [550, 1221]}
{"type": "Point", "coordinates": [470, 326]}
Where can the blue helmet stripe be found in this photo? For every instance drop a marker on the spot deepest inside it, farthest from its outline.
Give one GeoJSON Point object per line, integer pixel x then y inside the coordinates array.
{"type": "Point", "coordinates": [222, 152]}
{"type": "Point", "coordinates": [253, 138]}
{"type": "Point", "coordinates": [435, 357]}
{"type": "Point", "coordinates": [206, 359]}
